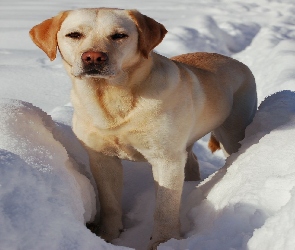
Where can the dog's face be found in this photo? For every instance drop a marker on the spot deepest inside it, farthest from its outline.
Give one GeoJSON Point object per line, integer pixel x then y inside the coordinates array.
{"type": "Point", "coordinates": [99, 43]}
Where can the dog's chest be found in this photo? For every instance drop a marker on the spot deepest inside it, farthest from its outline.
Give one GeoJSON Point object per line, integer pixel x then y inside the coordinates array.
{"type": "Point", "coordinates": [112, 142]}
{"type": "Point", "coordinates": [107, 124]}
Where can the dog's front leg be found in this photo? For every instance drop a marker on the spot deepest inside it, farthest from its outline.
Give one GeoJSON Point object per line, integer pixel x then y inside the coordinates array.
{"type": "Point", "coordinates": [108, 174]}
{"type": "Point", "coordinates": [168, 171]}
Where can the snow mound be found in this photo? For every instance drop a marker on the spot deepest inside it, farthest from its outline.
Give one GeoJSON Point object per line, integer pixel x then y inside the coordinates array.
{"type": "Point", "coordinates": [45, 201]}
{"type": "Point", "coordinates": [251, 199]}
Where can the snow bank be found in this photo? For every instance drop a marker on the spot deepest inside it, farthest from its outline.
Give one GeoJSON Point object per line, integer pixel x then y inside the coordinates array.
{"type": "Point", "coordinates": [253, 194]}
{"type": "Point", "coordinates": [45, 201]}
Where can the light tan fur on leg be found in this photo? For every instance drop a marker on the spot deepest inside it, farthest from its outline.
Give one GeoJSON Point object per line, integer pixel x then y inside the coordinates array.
{"type": "Point", "coordinates": [192, 171]}
{"type": "Point", "coordinates": [108, 170]}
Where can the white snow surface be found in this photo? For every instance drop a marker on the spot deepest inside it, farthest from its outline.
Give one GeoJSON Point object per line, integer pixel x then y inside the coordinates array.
{"type": "Point", "coordinates": [246, 201]}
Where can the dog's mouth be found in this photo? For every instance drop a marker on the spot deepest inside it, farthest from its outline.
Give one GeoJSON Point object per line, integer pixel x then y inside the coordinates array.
{"type": "Point", "coordinates": [92, 72]}
{"type": "Point", "coordinates": [97, 72]}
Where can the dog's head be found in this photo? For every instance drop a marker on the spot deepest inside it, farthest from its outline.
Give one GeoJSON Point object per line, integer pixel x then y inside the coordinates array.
{"type": "Point", "coordinates": [98, 42]}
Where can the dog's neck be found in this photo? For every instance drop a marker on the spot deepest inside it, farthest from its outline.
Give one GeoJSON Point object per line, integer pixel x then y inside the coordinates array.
{"type": "Point", "coordinates": [119, 96]}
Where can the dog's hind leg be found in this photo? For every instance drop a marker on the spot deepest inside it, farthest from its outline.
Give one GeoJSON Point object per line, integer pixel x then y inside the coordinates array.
{"type": "Point", "coordinates": [232, 131]}
{"type": "Point", "coordinates": [191, 170]}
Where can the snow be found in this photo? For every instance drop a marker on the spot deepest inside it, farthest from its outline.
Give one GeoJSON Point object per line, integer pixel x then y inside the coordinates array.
{"type": "Point", "coordinates": [246, 201]}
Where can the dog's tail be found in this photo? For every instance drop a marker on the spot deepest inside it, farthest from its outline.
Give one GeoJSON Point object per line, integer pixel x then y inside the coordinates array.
{"type": "Point", "coordinates": [213, 143]}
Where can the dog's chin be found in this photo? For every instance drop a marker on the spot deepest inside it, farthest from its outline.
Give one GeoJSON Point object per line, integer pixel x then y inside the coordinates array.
{"type": "Point", "coordinates": [98, 75]}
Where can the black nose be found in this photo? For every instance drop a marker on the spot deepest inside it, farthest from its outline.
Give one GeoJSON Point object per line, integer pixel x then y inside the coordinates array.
{"type": "Point", "coordinates": [92, 57]}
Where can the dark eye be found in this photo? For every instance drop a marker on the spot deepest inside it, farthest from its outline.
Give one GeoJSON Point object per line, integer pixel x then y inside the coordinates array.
{"type": "Point", "coordinates": [74, 35]}
{"type": "Point", "coordinates": [119, 36]}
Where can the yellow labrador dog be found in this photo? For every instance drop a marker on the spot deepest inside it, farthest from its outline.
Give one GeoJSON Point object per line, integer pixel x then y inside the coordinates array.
{"type": "Point", "coordinates": [131, 103]}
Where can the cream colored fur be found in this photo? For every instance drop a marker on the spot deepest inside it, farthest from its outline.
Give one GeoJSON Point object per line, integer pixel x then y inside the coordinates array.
{"type": "Point", "coordinates": [142, 106]}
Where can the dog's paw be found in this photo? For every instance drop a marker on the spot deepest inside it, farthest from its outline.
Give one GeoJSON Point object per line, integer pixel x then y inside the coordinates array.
{"type": "Point", "coordinates": [154, 243]}
{"type": "Point", "coordinates": [107, 235]}
{"type": "Point", "coordinates": [93, 227]}
{"type": "Point", "coordinates": [158, 238]}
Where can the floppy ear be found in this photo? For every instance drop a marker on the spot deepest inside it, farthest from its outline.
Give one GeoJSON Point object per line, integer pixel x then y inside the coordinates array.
{"type": "Point", "coordinates": [44, 35]}
{"type": "Point", "coordinates": [150, 32]}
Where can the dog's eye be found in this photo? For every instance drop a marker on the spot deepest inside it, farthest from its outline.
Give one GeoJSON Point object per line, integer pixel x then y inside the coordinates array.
{"type": "Point", "coordinates": [74, 35]}
{"type": "Point", "coordinates": [119, 36]}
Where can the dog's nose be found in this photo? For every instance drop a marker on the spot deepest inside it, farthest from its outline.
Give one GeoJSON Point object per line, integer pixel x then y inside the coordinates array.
{"type": "Point", "coordinates": [92, 57]}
